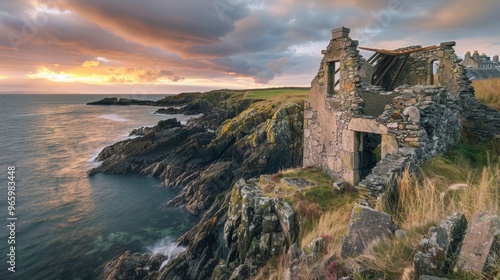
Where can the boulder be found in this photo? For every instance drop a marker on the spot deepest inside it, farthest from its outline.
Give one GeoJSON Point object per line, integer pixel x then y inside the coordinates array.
{"type": "Point", "coordinates": [481, 245]}
{"type": "Point", "coordinates": [365, 227]}
{"type": "Point", "coordinates": [127, 267]}
{"type": "Point", "coordinates": [437, 251]}
{"type": "Point", "coordinates": [299, 183]}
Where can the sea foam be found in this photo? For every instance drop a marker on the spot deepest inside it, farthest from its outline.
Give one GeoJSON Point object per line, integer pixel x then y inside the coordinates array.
{"type": "Point", "coordinates": [166, 246]}
{"type": "Point", "coordinates": [114, 117]}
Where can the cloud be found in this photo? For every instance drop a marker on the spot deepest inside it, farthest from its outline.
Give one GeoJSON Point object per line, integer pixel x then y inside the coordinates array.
{"type": "Point", "coordinates": [111, 75]}
{"type": "Point", "coordinates": [277, 66]}
{"type": "Point", "coordinates": [242, 43]}
{"type": "Point", "coordinates": [91, 63]}
{"type": "Point", "coordinates": [173, 25]}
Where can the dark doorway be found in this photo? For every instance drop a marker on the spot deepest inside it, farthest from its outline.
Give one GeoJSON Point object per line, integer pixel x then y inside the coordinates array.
{"type": "Point", "coordinates": [370, 153]}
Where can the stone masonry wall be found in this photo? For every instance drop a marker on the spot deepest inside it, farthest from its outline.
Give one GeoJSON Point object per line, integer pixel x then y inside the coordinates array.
{"type": "Point", "coordinates": [424, 120]}
{"type": "Point", "coordinates": [326, 115]}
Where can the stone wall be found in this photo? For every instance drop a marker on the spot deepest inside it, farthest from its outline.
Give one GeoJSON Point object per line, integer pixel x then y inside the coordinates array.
{"type": "Point", "coordinates": [418, 70]}
{"type": "Point", "coordinates": [326, 114]}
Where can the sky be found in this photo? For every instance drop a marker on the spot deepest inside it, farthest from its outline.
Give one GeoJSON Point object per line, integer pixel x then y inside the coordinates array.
{"type": "Point", "coordinates": [167, 46]}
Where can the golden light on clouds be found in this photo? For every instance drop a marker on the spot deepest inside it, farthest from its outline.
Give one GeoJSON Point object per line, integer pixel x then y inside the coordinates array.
{"type": "Point", "coordinates": [91, 63]}
{"type": "Point", "coordinates": [3, 77]}
{"type": "Point", "coordinates": [91, 73]}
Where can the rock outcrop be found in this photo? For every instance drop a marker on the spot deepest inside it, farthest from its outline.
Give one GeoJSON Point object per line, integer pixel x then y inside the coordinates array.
{"type": "Point", "coordinates": [263, 138]}
{"type": "Point", "coordinates": [133, 266]}
{"type": "Point", "coordinates": [437, 251]}
{"type": "Point", "coordinates": [239, 237]}
{"type": "Point", "coordinates": [121, 102]}
{"type": "Point", "coordinates": [365, 227]}
{"type": "Point", "coordinates": [481, 247]}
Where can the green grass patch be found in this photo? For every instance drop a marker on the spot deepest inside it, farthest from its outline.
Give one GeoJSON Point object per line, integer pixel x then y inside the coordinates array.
{"type": "Point", "coordinates": [322, 193]}
{"type": "Point", "coordinates": [275, 92]}
{"type": "Point", "coordinates": [462, 161]}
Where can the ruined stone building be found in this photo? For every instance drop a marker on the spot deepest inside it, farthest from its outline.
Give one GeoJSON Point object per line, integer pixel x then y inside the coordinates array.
{"type": "Point", "coordinates": [368, 119]}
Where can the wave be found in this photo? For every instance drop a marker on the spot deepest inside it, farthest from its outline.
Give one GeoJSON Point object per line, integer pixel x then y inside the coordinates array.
{"type": "Point", "coordinates": [114, 117]}
{"type": "Point", "coordinates": [167, 247]}
{"type": "Point", "coordinates": [32, 115]}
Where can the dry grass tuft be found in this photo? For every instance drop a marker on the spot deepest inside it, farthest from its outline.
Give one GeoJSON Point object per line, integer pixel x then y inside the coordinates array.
{"type": "Point", "coordinates": [488, 92]}
{"type": "Point", "coordinates": [332, 224]}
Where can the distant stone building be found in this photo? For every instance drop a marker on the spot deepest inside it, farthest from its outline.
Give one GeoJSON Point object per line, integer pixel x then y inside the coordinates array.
{"type": "Point", "coordinates": [479, 67]}
{"type": "Point", "coordinates": [480, 61]}
{"type": "Point", "coordinates": [366, 120]}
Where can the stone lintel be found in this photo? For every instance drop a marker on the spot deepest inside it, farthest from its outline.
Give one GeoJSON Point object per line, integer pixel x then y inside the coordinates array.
{"type": "Point", "coordinates": [448, 44]}
{"type": "Point", "coordinates": [367, 125]}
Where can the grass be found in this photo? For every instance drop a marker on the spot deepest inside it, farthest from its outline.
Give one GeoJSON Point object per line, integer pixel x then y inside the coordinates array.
{"type": "Point", "coordinates": [488, 92]}
{"type": "Point", "coordinates": [274, 92]}
{"type": "Point", "coordinates": [465, 180]}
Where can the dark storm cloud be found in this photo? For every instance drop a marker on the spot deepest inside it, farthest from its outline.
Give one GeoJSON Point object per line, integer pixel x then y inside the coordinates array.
{"type": "Point", "coordinates": [176, 26]}
{"type": "Point", "coordinates": [211, 38]}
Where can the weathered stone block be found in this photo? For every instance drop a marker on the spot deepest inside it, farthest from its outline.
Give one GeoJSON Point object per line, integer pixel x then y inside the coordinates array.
{"type": "Point", "coordinates": [349, 141]}
{"type": "Point", "coordinates": [389, 145]}
{"type": "Point", "coordinates": [341, 32]}
{"type": "Point", "coordinates": [413, 113]}
{"type": "Point", "coordinates": [286, 218]}
{"type": "Point", "coordinates": [297, 182]}
{"type": "Point", "coordinates": [278, 242]}
{"type": "Point", "coordinates": [317, 246]}
{"type": "Point", "coordinates": [265, 244]}
{"type": "Point", "coordinates": [263, 205]}
{"type": "Point", "coordinates": [351, 160]}
{"type": "Point", "coordinates": [365, 227]}
{"type": "Point", "coordinates": [437, 251]}
{"type": "Point", "coordinates": [269, 223]}
{"type": "Point", "coordinates": [351, 176]}
{"type": "Point", "coordinates": [481, 244]}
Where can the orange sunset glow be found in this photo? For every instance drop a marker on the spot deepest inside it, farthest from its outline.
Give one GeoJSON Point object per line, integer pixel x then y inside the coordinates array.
{"type": "Point", "coordinates": [164, 46]}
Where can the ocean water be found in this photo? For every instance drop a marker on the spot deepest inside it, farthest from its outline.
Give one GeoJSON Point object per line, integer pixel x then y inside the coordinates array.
{"type": "Point", "coordinates": [68, 225]}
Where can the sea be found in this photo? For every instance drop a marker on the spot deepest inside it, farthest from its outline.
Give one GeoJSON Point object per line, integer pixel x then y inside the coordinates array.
{"type": "Point", "coordinates": [67, 225]}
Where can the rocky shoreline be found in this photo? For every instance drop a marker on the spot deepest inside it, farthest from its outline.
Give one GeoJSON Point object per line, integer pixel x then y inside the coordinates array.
{"type": "Point", "coordinates": [236, 138]}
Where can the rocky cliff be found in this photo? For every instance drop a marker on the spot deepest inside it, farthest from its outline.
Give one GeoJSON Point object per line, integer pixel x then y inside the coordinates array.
{"type": "Point", "coordinates": [251, 137]}
{"type": "Point", "coordinates": [235, 139]}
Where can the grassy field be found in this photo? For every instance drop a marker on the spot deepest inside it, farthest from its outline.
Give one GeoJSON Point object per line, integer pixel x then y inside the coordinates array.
{"type": "Point", "coordinates": [274, 92]}
{"type": "Point", "coordinates": [488, 92]}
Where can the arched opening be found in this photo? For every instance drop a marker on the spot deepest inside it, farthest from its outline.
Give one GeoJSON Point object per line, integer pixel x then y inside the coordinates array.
{"type": "Point", "coordinates": [434, 69]}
